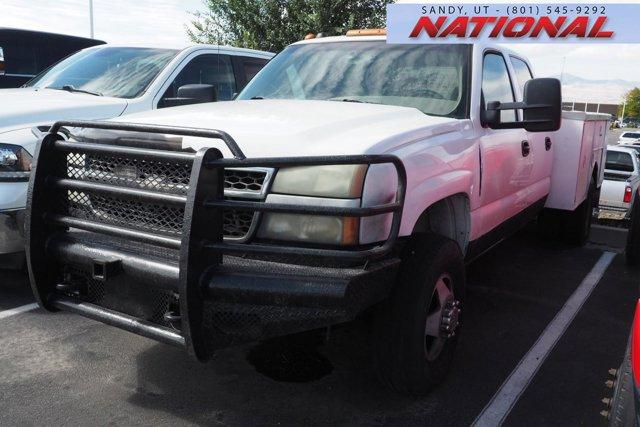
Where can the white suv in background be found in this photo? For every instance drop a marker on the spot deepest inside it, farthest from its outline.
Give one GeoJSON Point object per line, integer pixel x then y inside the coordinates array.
{"type": "Point", "coordinates": [629, 137]}
{"type": "Point", "coordinates": [100, 83]}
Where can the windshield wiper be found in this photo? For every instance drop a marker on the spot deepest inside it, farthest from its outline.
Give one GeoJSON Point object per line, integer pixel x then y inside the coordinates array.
{"type": "Point", "coordinates": [356, 101]}
{"type": "Point", "coordinates": [72, 89]}
{"type": "Point", "coordinates": [258, 97]}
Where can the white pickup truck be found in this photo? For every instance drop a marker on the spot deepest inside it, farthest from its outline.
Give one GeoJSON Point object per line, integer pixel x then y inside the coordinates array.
{"type": "Point", "coordinates": [621, 181]}
{"type": "Point", "coordinates": [351, 175]}
{"type": "Point", "coordinates": [101, 83]}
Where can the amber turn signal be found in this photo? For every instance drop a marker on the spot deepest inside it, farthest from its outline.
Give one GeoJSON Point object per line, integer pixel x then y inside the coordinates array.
{"type": "Point", "coordinates": [367, 32]}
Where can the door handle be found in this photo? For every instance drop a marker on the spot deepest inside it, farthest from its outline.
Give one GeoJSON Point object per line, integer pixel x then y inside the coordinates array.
{"type": "Point", "coordinates": [526, 148]}
{"type": "Point", "coordinates": [547, 143]}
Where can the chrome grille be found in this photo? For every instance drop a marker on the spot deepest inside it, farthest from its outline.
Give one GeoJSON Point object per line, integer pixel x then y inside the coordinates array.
{"type": "Point", "coordinates": [246, 183]}
{"type": "Point", "coordinates": [236, 179]}
{"type": "Point", "coordinates": [238, 223]}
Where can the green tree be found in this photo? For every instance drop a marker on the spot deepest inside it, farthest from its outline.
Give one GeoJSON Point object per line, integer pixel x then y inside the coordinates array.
{"type": "Point", "coordinates": [632, 99]}
{"type": "Point", "coordinates": [273, 24]}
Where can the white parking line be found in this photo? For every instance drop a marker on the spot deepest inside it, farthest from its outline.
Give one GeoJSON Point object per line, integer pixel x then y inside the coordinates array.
{"type": "Point", "coordinates": [19, 310]}
{"type": "Point", "coordinates": [506, 397]}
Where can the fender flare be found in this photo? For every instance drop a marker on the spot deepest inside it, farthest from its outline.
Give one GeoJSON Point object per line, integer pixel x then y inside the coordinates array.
{"type": "Point", "coordinates": [432, 191]}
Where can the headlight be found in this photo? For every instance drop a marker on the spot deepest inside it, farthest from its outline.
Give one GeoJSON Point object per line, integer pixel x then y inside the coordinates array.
{"type": "Point", "coordinates": [318, 229]}
{"type": "Point", "coordinates": [337, 181]}
{"type": "Point", "coordinates": [15, 162]}
{"type": "Point", "coordinates": [332, 185]}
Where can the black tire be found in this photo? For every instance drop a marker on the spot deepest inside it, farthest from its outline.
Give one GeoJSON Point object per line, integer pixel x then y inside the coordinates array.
{"type": "Point", "coordinates": [400, 339]}
{"type": "Point", "coordinates": [577, 224]}
{"type": "Point", "coordinates": [623, 411]}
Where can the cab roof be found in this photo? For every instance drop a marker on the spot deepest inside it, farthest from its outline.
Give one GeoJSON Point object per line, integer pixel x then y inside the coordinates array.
{"type": "Point", "coordinates": [195, 47]}
{"type": "Point", "coordinates": [334, 39]}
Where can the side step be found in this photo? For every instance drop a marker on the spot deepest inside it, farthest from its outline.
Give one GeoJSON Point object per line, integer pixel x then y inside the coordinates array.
{"type": "Point", "coordinates": [122, 321]}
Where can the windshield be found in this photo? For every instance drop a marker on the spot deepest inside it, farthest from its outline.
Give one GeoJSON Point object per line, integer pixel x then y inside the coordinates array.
{"type": "Point", "coordinates": [431, 78]}
{"type": "Point", "coordinates": [120, 72]}
{"type": "Point", "coordinates": [631, 135]}
{"type": "Point", "coordinates": [619, 161]}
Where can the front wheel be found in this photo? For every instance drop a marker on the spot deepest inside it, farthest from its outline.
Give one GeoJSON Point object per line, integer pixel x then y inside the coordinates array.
{"type": "Point", "coordinates": [417, 329]}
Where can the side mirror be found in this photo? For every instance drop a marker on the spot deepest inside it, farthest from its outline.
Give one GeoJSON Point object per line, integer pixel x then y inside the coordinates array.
{"type": "Point", "coordinates": [1, 62]}
{"type": "Point", "coordinates": [192, 94]}
{"type": "Point", "coordinates": [542, 108]}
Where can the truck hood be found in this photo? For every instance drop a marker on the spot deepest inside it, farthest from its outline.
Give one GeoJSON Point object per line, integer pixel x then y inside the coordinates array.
{"type": "Point", "coordinates": [273, 128]}
{"type": "Point", "coordinates": [30, 107]}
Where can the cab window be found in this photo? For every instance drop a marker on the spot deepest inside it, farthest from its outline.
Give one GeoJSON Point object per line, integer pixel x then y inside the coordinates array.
{"type": "Point", "coordinates": [212, 69]}
{"type": "Point", "coordinates": [523, 73]}
{"type": "Point", "coordinates": [496, 84]}
{"type": "Point", "coordinates": [252, 66]}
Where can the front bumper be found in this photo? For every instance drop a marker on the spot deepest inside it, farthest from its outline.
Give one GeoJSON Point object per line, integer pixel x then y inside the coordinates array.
{"type": "Point", "coordinates": [244, 300]}
{"type": "Point", "coordinates": [189, 287]}
{"type": "Point", "coordinates": [11, 231]}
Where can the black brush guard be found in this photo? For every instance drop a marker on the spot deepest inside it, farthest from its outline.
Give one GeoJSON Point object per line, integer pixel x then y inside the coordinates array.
{"type": "Point", "coordinates": [214, 293]}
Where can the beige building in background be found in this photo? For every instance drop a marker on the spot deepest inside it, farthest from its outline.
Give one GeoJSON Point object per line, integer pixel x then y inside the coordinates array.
{"type": "Point", "coordinates": [592, 107]}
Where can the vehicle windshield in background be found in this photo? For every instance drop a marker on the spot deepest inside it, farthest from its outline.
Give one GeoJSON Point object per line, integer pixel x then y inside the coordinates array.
{"type": "Point", "coordinates": [618, 161]}
{"type": "Point", "coordinates": [633, 135]}
{"type": "Point", "coordinates": [120, 72]}
{"type": "Point", "coordinates": [432, 79]}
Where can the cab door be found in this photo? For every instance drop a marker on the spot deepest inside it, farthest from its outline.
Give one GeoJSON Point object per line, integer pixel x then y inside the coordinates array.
{"type": "Point", "coordinates": [541, 143]}
{"type": "Point", "coordinates": [207, 68]}
{"type": "Point", "coordinates": [506, 159]}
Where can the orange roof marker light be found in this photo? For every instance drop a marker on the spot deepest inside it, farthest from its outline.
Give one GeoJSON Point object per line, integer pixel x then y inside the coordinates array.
{"type": "Point", "coordinates": [367, 32]}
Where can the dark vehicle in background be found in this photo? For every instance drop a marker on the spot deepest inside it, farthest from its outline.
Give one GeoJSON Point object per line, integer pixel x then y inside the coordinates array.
{"type": "Point", "coordinates": [24, 53]}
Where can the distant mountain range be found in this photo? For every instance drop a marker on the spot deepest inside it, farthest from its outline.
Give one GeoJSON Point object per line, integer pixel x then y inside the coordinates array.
{"type": "Point", "coordinates": [578, 89]}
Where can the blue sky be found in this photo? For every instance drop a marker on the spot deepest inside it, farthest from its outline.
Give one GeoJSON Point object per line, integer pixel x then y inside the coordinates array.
{"type": "Point", "coordinates": [139, 22]}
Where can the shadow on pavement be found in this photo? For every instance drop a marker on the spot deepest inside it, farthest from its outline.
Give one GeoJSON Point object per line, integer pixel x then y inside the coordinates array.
{"type": "Point", "coordinates": [14, 289]}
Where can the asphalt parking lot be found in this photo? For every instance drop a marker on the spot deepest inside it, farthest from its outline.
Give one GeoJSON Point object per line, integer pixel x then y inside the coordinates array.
{"type": "Point", "coordinates": [613, 135]}
{"type": "Point", "coordinates": [60, 369]}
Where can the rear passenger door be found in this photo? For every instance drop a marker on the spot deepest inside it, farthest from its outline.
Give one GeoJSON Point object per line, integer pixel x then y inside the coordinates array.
{"type": "Point", "coordinates": [506, 164]}
{"type": "Point", "coordinates": [541, 143]}
{"type": "Point", "coordinates": [213, 69]}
